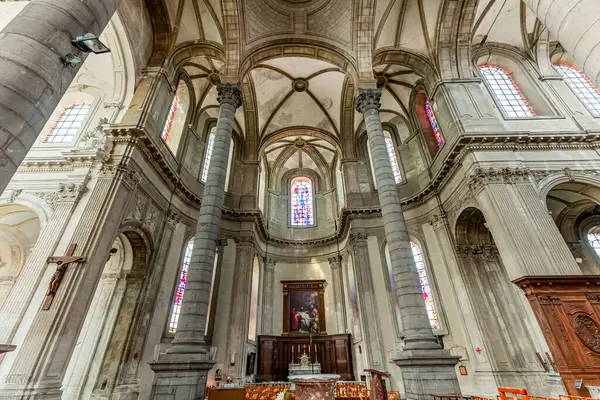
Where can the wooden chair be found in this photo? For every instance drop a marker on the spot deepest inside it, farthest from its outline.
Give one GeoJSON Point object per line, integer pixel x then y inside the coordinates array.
{"type": "Point", "coordinates": [393, 395]}
{"type": "Point", "coordinates": [513, 394]}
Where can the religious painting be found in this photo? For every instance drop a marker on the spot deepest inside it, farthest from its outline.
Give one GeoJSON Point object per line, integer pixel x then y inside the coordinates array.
{"type": "Point", "coordinates": [303, 308]}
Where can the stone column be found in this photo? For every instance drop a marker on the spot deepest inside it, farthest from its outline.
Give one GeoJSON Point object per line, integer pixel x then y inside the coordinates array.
{"type": "Point", "coordinates": [576, 25]}
{"type": "Point", "coordinates": [267, 297]}
{"type": "Point", "coordinates": [372, 336]}
{"type": "Point", "coordinates": [182, 371]}
{"type": "Point", "coordinates": [237, 333]}
{"type": "Point", "coordinates": [426, 368]}
{"type": "Point", "coordinates": [34, 77]}
{"type": "Point", "coordinates": [335, 263]}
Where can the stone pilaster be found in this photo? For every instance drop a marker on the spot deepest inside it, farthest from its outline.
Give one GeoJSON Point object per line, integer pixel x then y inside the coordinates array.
{"type": "Point", "coordinates": [576, 25]}
{"type": "Point", "coordinates": [22, 292]}
{"type": "Point", "coordinates": [335, 263]}
{"type": "Point", "coordinates": [35, 84]}
{"type": "Point", "coordinates": [426, 368]}
{"type": "Point", "coordinates": [372, 336]}
{"type": "Point", "coordinates": [267, 297]}
{"type": "Point", "coordinates": [516, 217]}
{"type": "Point", "coordinates": [39, 367]}
{"type": "Point", "coordinates": [181, 373]}
{"type": "Point", "coordinates": [237, 333]}
{"type": "Point", "coordinates": [210, 326]}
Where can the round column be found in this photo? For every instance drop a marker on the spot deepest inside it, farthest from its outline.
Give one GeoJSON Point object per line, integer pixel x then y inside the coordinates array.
{"type": "Point", "coordinates": [33, 78]}
{"type": "Point", "coordinates": [194, 309]}
{"type": "Point", "coordinates": [576, 25]}
{"type": "Point", "coordinates": [417, 330]}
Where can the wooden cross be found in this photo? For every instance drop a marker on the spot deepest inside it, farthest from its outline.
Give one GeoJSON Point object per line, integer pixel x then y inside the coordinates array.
{"type": "Point", "coordinates": [62, 263]}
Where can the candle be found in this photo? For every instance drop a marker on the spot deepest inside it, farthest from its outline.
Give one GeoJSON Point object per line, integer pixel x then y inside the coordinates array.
{"type": "Point", "coordinates": [395, 350]}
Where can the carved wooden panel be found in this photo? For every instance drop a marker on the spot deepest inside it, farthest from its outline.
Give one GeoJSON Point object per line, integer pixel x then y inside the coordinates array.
{"type": "Point", "coordinates": [275, 353]}
{"type": "Point", "coordinates": [567, 309]}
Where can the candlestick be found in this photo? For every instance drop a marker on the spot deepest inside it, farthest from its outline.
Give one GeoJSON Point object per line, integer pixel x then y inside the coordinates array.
{"type": "Point", "coordinates": [316, 358]}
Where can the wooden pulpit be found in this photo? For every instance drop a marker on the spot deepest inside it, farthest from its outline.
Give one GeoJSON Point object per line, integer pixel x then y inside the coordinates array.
{"type": "Point", "coordinates": [567, 309]}
{"type": "Point", "coordinates": [378, 389]}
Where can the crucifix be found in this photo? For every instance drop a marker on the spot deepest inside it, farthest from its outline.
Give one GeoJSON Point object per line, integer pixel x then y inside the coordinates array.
{"type": "Point", "coordinates": [62, 263]}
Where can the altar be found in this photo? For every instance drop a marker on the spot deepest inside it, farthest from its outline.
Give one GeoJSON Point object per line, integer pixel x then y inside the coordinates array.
{"type": "Point", "coordinates": [304, 366]}
{"type": "Point", "coordinates": [277, 354]}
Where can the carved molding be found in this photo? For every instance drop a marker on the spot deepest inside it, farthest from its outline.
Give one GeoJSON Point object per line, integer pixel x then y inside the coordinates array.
{"type": "Point", "coordinates": [485, 252]}
{"type": "Point", "coordinates": [67, 192]}
{"type": "Point", "coordinates": [244, 241]}
{"type": "Point", "coordinates": [588, 331]}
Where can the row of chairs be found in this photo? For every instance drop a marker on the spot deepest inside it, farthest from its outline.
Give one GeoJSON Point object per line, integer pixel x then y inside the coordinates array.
{"type": "Point", "coordinates": [343, 391]}
{"type": "Point", "coordinates": [521, 394]}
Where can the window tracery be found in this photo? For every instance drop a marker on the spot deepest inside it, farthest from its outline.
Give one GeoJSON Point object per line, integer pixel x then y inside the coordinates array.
{"type": "Point", "coordinates": [302, 210]}
{"type": "Point", "coordinates": [437, 132]}
{"type": "Point", "coordinates": [425, 286]}
{"type": "Point", "coordinates": [506, 91]}
{"type": "Point", "coordinates": [583, 88]}
{"type": "Point", "coordinates": [210, 143]}
{"type": "Point", "coordinates": [594, 239]}
{"type": "Point", "coordinates": [67, 124]}
{"type": "Point", "coordinates": [389, 144]}
{"type": "Point", "coordinates": [176, 307]}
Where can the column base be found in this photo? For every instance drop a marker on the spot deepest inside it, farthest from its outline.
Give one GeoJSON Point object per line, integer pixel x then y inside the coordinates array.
{"type": "Point", "coordinates": [428, 372]}
{"type": "Point", "coordinates": [180, 376]}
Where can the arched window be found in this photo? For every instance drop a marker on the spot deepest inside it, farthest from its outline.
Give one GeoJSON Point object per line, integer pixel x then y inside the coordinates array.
{"type": "Point", "coordinates": [210, 143]}
{"type": "Point", "coordinates": [434, 124]}
{"type": "Point", "coordinates": [301, 200]}
{"type": "Point", "coordinates": [67, 124]}
{"type": "Point", "coordinates": [428, 122]}
{"type": "Point", "coordinates": [583, 88]}
{"type": "Point", "coordinates": [594, 239]}
{"type": "Point", "coordinates": [253, 319]}
{"type": "Point", "coordinates": [425, 286]}
{"type": "Point", "coordinates": [176, 308]}
{"type": "Point", "coordinates": [506, 91]}
{"type": "Point", "coordinates": [175, 122]}
{"type": "Point", "coordinates": [391, 149]}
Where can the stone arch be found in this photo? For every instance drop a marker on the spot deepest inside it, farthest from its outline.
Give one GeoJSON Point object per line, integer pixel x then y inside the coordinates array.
{"type": "Point", "coordinates": [524, 72]}
{"type": "Point", "coordinates": [502, 319]}
{"type": "Point", "coordinates": [413, 60]}
{"type": "Point", "coordinates": [575, 209]}
{"type": "Point", "coordinates": [311, 49]}
{"type": "Point", "coordinates": [20, 228]}
{"type": "Point", "coordinates": [119, 364]}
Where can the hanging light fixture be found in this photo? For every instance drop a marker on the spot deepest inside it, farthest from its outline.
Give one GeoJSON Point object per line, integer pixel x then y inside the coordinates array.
{"type": "Point", "coordinates": [89, 43]}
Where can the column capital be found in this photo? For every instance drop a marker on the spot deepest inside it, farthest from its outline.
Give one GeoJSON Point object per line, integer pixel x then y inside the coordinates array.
{"type": "Point", "coordinates": [229, 93]}
{"type": "Point", "coordinates": [269, 263]}
{"type": "Point", "coordinates": [244, 241]}
{"type": "Point", "coordinates": [335, 262]}
{"type": "Point", "coordinates": [358, 238]}
{"type": "Point", "coordinates": [368, 99]}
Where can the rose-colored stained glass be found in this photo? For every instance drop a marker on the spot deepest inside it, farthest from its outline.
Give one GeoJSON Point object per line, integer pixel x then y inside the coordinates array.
{"type": "Point", "coordinates": [439, 138]}
{"type": "Point", "coordinates": [301, 202]}
{"type": "Point", "coordinates": [581, 85]}
{"type": "Point", "coordinates": [425, 286]}
{"type": "Point", "coordinates": [176, 309]}
{"type": "Point", "coordinates": [210, 143]}
{"type": "Point", "coordinates": [389, 144]}
{"type": "Point", "coordinates": [164, 135]}
{"type": "Point", "coordinates": [507, 92]}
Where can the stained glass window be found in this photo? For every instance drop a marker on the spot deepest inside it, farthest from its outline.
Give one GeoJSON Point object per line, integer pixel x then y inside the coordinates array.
{"type": "Point", "coordinates": [210, 143]}
{"type": "Point", "coordinates": [165, 135]}
{"type": "Point", "coordinates": [582, 86]}
{"type": "Point", "coordinates": [302, 202]}
{"type": "Point", "coordinates": [389, 144]}
{"type": "Point", "coordinates": [434, 124]}
{"type": "Point", "coordinates": [506, 91]}
{"type": "Point", "coordinates": [67, 124]}
{"type": "Point", "coordinates": [425, 286]}
{"type": "Point", "coordinates": [594, 239]}
{"type": "Point", "coordinates": [176, 309]}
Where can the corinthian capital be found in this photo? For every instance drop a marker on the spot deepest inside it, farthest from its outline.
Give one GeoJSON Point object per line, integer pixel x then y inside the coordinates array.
{"type": "Point", "coordinates": [229, 93]}
{"type": "Point", "coordinates": [368, 99]}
